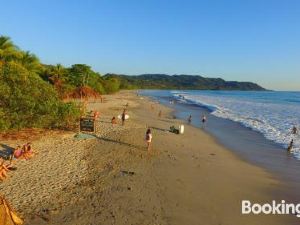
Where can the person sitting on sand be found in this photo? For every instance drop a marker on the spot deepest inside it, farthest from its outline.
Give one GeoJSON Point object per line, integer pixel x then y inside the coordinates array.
{"type": "Point", "coordinates": [190, 119]}
{"type": "Point", "coordinates": [27, 151]}
{"type": "Point", "coordinates": [290, 147]}
{"type": "Point", "coordinates": [3, 170]}
{"type": "Point", "coordinates": [17, 153]}
{"type": "Point", "coordinates": [114, 121]}
{"type": "Point", "coordinates": [148, 138]}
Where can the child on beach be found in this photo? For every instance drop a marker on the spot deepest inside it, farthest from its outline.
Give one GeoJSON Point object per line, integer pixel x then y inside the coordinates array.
{"type": "Point", "coordinates": [148, 138]}
{"type": "Point", "coordinates": [114, 121]}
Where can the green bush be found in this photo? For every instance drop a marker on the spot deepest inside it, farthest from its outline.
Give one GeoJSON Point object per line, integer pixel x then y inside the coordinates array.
{"type": "Point", "coordinates": [28, 101]}
{"type": "Point", "coordinates": [112, 85]}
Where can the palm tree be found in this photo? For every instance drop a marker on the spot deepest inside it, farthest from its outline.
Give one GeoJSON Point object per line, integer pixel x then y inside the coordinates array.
{"type": "Point", "coordinates": [30, 62]}
{"type": "Point", "coordinates": [8, 51]}
{"type": "Point", "coordinates": [57, 74]}
{"type": "Point", "coordinates": [5, 43]}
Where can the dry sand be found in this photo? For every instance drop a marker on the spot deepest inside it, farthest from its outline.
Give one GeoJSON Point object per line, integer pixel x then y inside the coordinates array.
{"type": "Point", "coordinates": [111, 179]}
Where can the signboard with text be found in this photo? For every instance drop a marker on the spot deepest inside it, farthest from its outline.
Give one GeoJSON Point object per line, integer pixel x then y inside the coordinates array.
{"type": "Point", "coordinates": [87, 124]}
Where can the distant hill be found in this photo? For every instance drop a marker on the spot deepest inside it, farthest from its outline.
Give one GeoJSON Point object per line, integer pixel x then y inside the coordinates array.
{"type": "Point", "coordinates": [163, 81]}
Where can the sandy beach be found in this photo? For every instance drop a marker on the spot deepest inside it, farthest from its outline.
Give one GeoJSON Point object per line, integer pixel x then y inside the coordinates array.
{"type": "Point", "coordinates": [112, 179]}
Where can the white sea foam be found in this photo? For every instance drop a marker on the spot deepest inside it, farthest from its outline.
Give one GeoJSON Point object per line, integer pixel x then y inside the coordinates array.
{"type": "Point", "coordinates": [273, 115]}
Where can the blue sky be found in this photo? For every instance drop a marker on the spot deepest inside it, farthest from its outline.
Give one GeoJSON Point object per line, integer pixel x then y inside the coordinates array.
{"type": "Point", "coordinates": [255, 40]}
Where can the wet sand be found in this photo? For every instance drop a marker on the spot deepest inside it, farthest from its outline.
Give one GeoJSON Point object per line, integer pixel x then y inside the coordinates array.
{"type": "Point", "coordinates": [111, 179]}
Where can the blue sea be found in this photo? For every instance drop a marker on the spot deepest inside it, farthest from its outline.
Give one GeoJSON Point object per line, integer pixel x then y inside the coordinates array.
{"type": "Point", "coordinates": [271, 113]}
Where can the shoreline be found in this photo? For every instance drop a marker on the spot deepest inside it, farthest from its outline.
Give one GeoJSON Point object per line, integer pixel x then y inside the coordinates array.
{"type": "Point", "coordinates": [188, 179]}
{"type": "Point", "coordinates": [256, 149]}
{"type": "Point", "coordinates": [207, 110]}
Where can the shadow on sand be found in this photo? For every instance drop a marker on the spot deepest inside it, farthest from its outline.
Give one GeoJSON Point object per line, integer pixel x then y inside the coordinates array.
{"type": "Point", "coordinates": [160, 129]}
{"type": "Point", "coordinates": [122, 143]}
{"type": "Point", "coordinates": [102, 121]}
{"type": "Point", "coordinates": [167, 120]}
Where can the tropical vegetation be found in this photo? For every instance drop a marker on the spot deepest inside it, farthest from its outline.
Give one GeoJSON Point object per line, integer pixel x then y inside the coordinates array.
{"type": "Point", "coordinates": [34, 95]}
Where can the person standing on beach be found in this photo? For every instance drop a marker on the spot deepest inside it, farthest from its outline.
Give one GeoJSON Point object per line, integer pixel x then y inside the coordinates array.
{"type": "Point", "coordinates": [114, 121]}
{"type": "Point", "coordinates": [96, 115]}
{"type": "Point", "coordinates": [290, 147]}
{"type": "Point", "coordinates": [123, 117]}
{"type": "Point", "coordinates": [148, 139]}
{"type": "Point", "coordinates": [190, 119]}
{"type": "Point", "coordinates": [159, 114]}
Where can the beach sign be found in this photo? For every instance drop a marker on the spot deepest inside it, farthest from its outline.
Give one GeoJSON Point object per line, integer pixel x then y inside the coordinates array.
{"type": "Point", "coordinates": [87, 124]}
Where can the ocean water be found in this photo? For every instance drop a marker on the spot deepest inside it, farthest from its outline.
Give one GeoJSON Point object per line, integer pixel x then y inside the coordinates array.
{"type": "Point", "coordinates": [271, 113]}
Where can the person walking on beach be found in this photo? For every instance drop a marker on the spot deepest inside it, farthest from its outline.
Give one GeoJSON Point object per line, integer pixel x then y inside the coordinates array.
{"type": "Point", "coordinates": [203, 120]}
{"type": "Point", "coordinates": [290, 147]}
{"type": "Point", "coordinates": [148, 139]}
{"type": "Point", "coordinates": [123, 117]}
{"type": "Point", "coordinates": [190, 119]}
{"type": "Point", "coordinates": [294, 130]}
